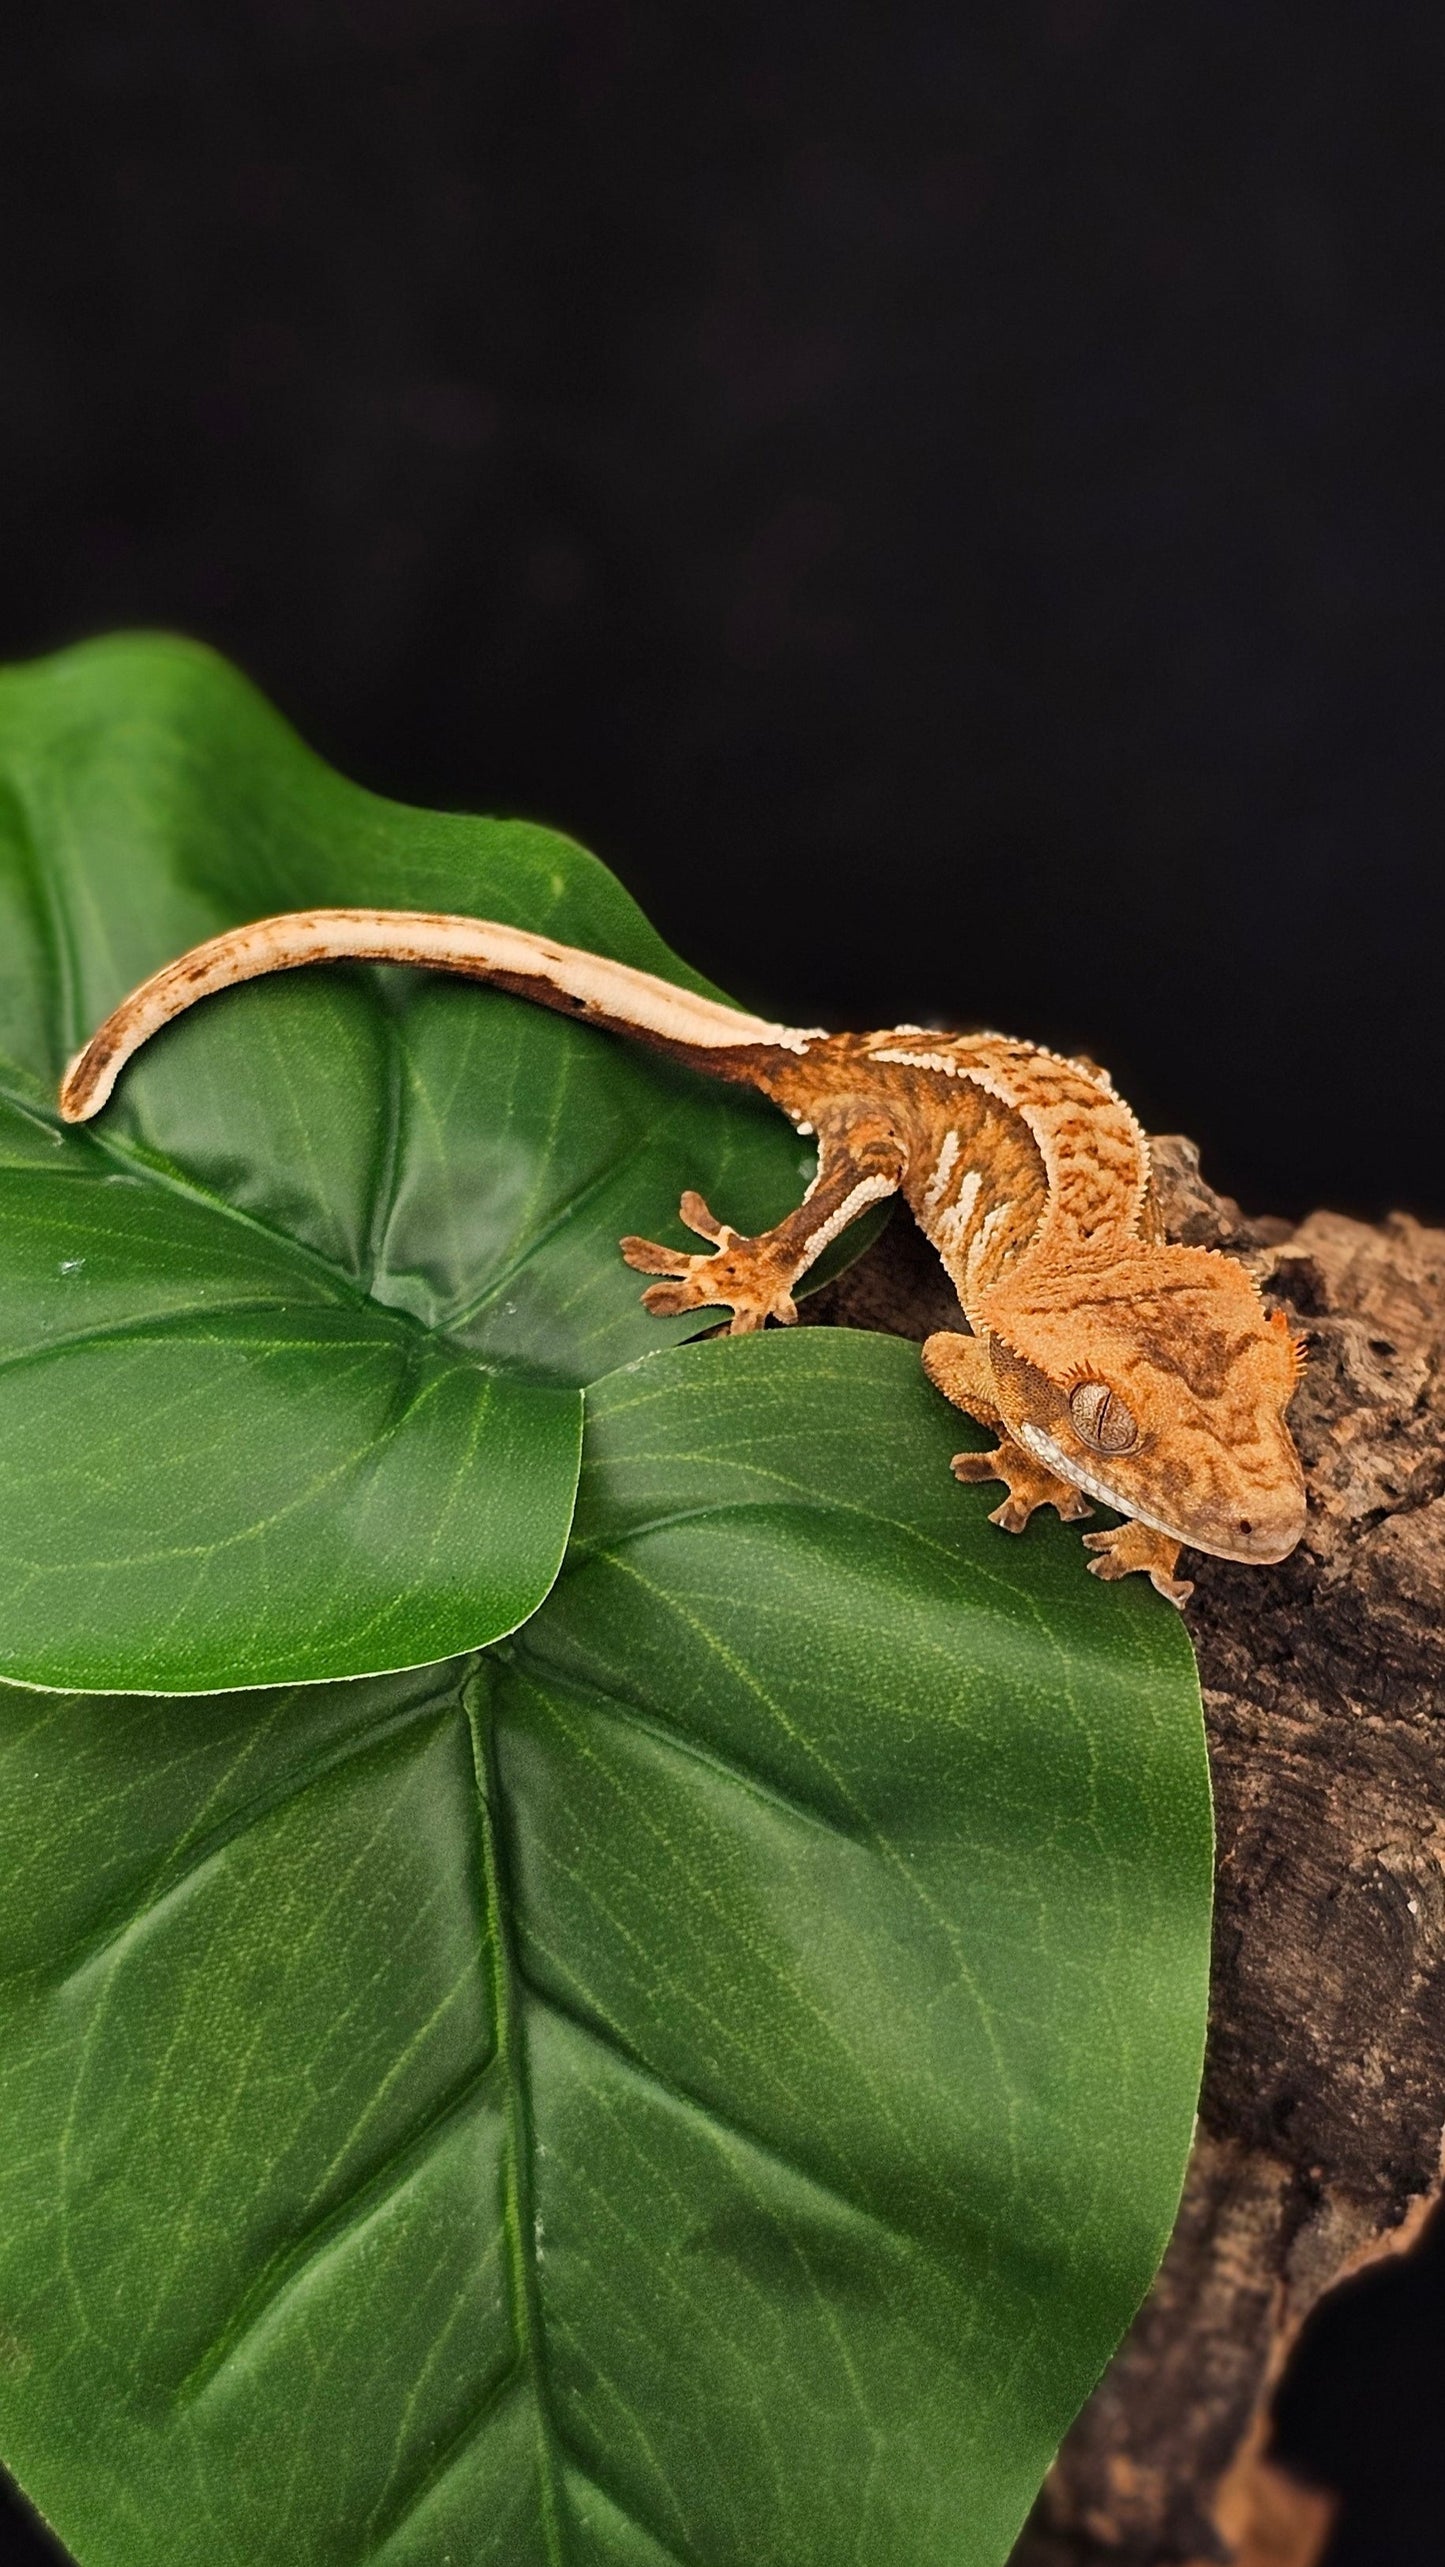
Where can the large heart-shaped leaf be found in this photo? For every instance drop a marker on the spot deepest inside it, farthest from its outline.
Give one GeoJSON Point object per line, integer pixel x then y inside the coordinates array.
{"type": "Point", "coordinates": [291, 1342]}
{"type": "Point", "coordinates": [705, 2082]}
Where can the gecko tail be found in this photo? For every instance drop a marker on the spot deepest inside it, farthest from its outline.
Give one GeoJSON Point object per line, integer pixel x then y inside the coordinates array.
{"type": "Point", "coordinates": [700, 1031]}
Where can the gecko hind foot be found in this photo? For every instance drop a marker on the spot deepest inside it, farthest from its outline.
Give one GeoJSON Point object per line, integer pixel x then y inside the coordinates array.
{"type": "Point", "coordinates": [1029, 1486]}
{"type": "Point", "coordinates": [1131, 1547]}
{"type": "Point", "coordinates": [742, 1275]}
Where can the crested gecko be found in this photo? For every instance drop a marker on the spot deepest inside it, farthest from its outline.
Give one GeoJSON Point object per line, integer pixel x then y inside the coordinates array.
{"type": "Point", "coordinates": [1110, 1364]}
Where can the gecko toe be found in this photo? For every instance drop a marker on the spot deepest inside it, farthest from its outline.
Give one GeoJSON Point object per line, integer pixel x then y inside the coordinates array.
{"type": "Point", "coordinates": [668, 1300]}
{"type": "Point", "coordinates": [648, 1258]}
{"type": "Point", "coordinates": [971, 1467]}
{"type": "Point", "coordinates": [698, 1217]}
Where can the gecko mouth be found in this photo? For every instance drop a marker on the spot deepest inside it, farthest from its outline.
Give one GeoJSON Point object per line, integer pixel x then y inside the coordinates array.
{"type": "Point", "coordinates": [1044, 1449]}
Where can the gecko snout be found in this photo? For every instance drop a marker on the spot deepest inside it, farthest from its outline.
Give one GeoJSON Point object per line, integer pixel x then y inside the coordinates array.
{"type": "Point", "coordinates": [1265, 1531]}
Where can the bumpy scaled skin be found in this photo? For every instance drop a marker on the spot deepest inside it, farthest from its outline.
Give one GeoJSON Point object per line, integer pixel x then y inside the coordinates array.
{"type": "Point", "coordinates": [1111, 1365]}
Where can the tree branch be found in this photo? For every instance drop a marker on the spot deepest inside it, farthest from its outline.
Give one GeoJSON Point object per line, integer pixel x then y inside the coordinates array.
{"type": "Point", "coordinates": [1320, 2132]}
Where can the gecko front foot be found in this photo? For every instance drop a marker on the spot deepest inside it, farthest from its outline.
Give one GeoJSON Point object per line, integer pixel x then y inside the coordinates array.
{"type": "Point", "coordinates": [1029, 1486]}
{"type": "Point", "coordinates": [1133, 1546]}
{"type": "Point", "coordinates": [742, 1275]}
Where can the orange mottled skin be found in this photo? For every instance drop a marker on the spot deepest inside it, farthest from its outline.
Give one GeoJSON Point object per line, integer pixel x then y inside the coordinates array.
{"type": "Point", "coordinates": [1110, 1364]}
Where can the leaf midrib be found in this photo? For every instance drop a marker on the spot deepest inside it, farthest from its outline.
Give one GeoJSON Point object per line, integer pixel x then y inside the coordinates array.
{"type": "Point", "coordinates": [508, 1987]}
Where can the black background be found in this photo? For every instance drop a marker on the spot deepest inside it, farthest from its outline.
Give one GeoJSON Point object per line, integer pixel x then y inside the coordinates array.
{"type": "Point", "coordinates": [946, 498]}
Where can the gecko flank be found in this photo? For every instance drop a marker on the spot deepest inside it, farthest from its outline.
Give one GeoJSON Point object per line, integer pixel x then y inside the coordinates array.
{"type": "Point", "coordinates": [1109, 1364]}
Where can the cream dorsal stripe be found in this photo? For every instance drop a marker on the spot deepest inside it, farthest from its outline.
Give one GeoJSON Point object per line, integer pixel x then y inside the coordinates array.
{"type": "Point", "coordinates": [561, 976]}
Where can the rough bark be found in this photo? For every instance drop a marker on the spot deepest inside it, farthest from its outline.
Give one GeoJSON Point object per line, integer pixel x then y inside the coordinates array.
{"type": "Point", "coordinates": [1321, 2119]}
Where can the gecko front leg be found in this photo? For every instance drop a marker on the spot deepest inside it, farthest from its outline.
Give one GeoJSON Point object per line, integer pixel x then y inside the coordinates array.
{"type": "Point", "coordinates": [1133, 1546]}
{"type": "Point", "coordinates": [754, 1277]}
{"type": "Point", "coordinates": [959, 1367]}
{"type": "Point", "coordinates": [1029, 1485]}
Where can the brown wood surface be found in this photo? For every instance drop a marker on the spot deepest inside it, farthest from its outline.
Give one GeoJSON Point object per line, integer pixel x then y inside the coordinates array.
{"type": "Point", "coordinates": [1321, 2120]}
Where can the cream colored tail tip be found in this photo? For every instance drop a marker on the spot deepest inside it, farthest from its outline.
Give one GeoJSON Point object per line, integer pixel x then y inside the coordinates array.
{"type": "Point", "coordinates": [556, 975]}
{"type": "Point", "coordinates": [81, 1097]}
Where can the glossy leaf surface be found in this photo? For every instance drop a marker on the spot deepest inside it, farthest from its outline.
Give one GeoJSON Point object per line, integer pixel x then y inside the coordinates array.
{"type": "Point", "coordinates": [705, 2082]}
{"type": "Point", "coordinates": [292, 1339]}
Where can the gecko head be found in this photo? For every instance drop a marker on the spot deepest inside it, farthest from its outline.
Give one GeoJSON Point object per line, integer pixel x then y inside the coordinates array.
{"type": "Point", "coordinates": [1156, 1381]}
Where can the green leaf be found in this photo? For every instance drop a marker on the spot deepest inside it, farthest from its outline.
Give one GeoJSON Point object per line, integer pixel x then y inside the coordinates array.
{"type": "Point", "coordinates": [292, 1340]}
{"type": "Point", "coordinates": [706, 2082]}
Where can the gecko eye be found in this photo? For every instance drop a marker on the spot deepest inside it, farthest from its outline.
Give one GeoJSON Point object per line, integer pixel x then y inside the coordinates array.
{"type": "Point", "coordinates": [1101, 1418]}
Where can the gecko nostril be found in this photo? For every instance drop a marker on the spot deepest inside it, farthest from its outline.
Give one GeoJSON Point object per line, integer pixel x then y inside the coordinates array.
{"type": "Point", "coordinates": [1245, 1525]}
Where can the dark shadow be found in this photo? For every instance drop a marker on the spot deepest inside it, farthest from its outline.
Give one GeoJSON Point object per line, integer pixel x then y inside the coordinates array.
{"type": "Point", "coordinates": [24, 2540]}
{"type": "Point", "coordinates": [1360, 2409]}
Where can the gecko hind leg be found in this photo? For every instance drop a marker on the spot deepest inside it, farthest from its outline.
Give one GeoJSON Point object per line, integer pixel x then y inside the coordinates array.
{"type": "Point", "coordinates": [754, 1278]}
{"type": "Point", "coordinates": [742, 1275]}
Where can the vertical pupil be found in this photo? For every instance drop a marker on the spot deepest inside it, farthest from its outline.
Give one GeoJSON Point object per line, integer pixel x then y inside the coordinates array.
{"type": "Point", "coordinates": [1101, 1418]}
